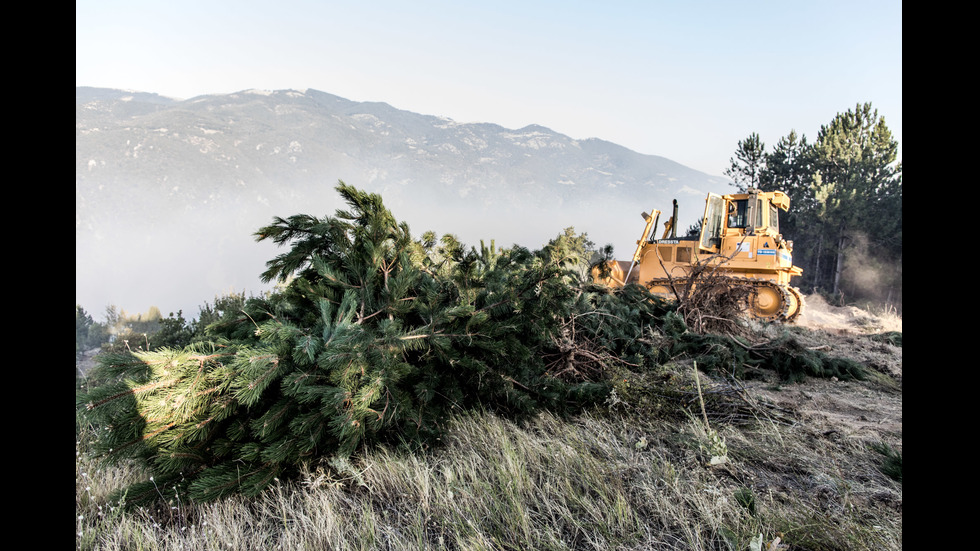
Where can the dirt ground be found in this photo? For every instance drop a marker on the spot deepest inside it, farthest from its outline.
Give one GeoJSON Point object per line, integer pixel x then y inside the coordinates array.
{"type": "Point", "coordinates": [869, 410]}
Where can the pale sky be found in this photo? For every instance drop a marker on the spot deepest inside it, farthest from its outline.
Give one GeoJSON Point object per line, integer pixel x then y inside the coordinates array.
{"type": "Point", "coordinates": [683, 80]}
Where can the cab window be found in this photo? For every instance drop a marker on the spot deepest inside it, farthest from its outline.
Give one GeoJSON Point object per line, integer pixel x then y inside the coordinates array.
{"type": "Point", "coordinates": [774, 218]}
{"type": "Point", "coordinates": [736, 213]}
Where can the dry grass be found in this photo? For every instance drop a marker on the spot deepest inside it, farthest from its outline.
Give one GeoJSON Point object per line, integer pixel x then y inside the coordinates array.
{"type": "Point", "coordinates": [597, 481]}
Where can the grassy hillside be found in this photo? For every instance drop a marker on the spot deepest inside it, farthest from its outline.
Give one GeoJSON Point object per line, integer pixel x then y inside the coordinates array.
{"type": "Point", "coordinates": [763, 465]}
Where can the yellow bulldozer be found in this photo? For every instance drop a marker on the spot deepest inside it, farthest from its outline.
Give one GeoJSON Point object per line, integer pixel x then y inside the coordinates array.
{"type": "Point", "coordinates": [739, 246]}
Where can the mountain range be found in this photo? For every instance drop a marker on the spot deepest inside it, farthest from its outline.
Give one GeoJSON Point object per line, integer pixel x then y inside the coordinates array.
{"type": "Point", "coordinates": [168, 192]}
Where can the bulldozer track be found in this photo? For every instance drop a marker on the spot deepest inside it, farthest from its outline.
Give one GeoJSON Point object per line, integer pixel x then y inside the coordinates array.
{"type": "Point", "coordinates": [787, 295]}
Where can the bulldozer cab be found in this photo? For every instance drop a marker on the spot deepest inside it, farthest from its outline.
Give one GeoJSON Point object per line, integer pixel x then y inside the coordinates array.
{"type": "Point", "coordinates": [739, 215]}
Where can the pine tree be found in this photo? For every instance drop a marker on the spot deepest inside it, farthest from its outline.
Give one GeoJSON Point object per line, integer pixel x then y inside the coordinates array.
{"type": "Point", "coordinates": [83, 328]}
{"type": "Point", "coordinates": [855, 155]}
{"type": "Point", "coordinates": [374, 337]}
{"type": "Point", "coordinates": [748, 164]}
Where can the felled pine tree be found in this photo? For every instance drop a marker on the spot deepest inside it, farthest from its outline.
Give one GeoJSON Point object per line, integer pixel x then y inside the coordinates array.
{"type": "Point", "coordinates": [374, 337]}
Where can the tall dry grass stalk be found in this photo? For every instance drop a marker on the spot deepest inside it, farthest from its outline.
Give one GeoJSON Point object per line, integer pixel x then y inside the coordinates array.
{"type": "Point", "coordinates": [591, 482]}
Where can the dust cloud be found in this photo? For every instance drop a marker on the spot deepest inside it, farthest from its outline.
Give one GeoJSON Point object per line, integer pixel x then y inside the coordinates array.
{"type": "Point", "coordinates": [865, 275]}
{"type": "Point", "coordinates": [819, 314]}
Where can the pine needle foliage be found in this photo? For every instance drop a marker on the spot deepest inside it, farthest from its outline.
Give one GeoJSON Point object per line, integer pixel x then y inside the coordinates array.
{"type": "Point", "coordinates": [377, 338]}
{"type": "Point", "coordinates": [374, 337]}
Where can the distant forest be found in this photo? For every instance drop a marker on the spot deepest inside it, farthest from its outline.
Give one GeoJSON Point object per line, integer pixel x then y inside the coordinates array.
{"type": "Point", "coordinates": [845, 217]}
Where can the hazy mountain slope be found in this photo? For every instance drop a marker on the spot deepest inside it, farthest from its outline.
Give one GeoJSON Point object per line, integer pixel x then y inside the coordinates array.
{"type": "Point", "coordinates": [168, 192]}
